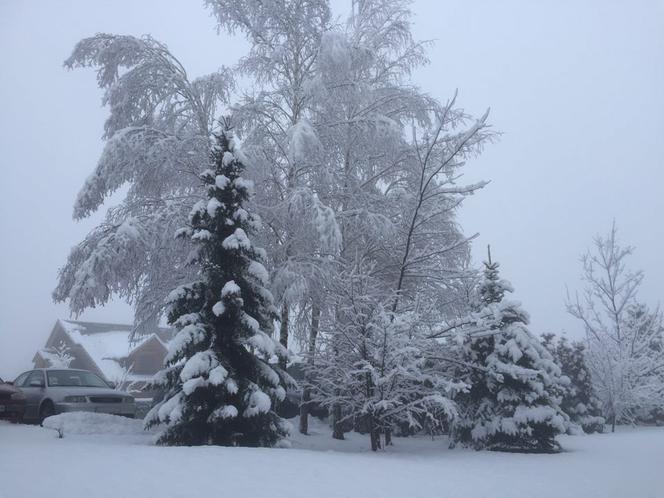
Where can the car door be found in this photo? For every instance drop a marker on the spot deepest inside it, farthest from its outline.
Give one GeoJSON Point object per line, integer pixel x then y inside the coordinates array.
{"type": "Point", "coordinates": [34, 387]}
{"type": "Point", "coordinates": [20, 379]}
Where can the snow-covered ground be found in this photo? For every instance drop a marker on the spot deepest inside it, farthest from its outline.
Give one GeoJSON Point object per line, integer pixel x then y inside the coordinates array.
{"type": "Point", "coordinates": [106, 456]}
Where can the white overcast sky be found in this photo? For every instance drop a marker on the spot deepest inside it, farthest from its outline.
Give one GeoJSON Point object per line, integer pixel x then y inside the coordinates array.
{"type": "Point", "coordinates": [576, 86]}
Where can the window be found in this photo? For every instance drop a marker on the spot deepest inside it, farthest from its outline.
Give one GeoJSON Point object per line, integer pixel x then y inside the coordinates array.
{"type": "Point", "coordinates": [19, 380]}
{"type": "Point", "coordinates": [74, 378]}
{"type": "Point", "coordinates": [35, 376]}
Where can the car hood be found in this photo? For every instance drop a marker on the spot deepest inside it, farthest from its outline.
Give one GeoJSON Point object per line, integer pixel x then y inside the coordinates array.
{"type": "Point", "coordinates": [85, 391]}
{"type": "Point", "coordinates": [8, 388]}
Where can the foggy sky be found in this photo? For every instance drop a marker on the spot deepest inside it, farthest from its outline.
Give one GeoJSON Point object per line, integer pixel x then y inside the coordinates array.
{"type": "Point", "coordinates": [576, 87]}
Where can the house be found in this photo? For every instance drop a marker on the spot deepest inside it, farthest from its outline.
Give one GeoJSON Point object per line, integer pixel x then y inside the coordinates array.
{"type": "Point", "coordinates": [106, 349]}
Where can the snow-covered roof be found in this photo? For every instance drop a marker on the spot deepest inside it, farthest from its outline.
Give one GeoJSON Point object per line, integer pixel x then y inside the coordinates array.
{"type": "Point", "coordinates": [106, 343]}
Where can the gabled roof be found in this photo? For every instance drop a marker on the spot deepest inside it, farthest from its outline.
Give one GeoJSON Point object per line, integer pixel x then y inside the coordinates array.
{"type": "Point", "coordinates": [106, 343]}
{"type": "Point", "coordinates": [89, 328]}
{"type": "Point", "coordinates": [146, 342]}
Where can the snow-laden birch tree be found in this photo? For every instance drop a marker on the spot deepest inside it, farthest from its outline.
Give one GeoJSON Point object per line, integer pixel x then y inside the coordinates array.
{"type": "Point", "coordinates": [396, 152]}
{"type": "Point", "coordinates": [362, 106]}
{"type": "Point", "coordinates": [625, 340]}
{"type": "Point", "coordinates": [395, 192]}
{"type": "Point", "coordinates": [157, 139]}
{"type": "Point", "coordinates": [273, 120]}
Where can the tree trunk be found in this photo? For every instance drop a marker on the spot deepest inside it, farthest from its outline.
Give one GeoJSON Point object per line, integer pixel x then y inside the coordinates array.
{"type": "Point", "coordinates": [375, 440]}
{"type": "Point", "coordinates": [337, 429]}
{"type": "Point", "coordinates": [283, 332]}
{"type": "Point", "coordinates": [388, 438]}
{"type": "Point", "coordinates": [452, 436]}
{"type": "Point", "coordinates": [306, 392]}
{"type": "Point", "coordinates": [374, 434]}
{"type": "Point", "coordinates": [613, 423]}
{"type": "Point", "coordinates": [304, 411]}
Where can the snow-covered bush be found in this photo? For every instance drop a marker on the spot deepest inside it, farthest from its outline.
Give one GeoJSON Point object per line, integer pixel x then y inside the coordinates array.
{"type": "Point", "coordinates": [374, 367]}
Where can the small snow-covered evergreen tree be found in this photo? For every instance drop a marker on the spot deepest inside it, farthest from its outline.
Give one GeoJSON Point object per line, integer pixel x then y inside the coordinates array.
{"type": "Point", "coordinates": [474, 353]}
{"type": "Point", "coordinates": [219, 380]}
{"type": "Point", "coordinates": [579, 401]}
{"type": "Point", "coordinates": [58, 356]}
{"type": "Point", "coordinates": [512, 403]}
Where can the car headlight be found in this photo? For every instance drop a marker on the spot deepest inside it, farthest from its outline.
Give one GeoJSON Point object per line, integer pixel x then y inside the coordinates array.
{"type": "Point", "coordinates": [76, 399]}
{"type": "Point", "coordinates": [17, 396]}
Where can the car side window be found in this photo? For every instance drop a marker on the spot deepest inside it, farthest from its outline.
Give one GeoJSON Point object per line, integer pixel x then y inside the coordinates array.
{"type": "Point", "coordinates": [21, 379]}
{"type": "Point", "coordinates": [37, 376]}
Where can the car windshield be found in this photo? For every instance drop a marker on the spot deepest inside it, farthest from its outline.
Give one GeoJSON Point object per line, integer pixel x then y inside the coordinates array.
{"type": "Point", "coordinates": [74, 378]}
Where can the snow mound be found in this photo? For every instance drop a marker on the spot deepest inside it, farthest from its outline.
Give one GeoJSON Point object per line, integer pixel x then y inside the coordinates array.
{"type": "Point", "coordinates": [87, 423]}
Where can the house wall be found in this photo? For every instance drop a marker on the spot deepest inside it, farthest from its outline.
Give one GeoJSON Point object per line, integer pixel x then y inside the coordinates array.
{"type": "Point", "coordinates": [39, 362]}
{"type": "Point", "coordinates": [148, 359]}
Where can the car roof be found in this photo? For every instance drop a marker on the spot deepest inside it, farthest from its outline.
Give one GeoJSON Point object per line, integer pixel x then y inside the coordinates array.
{"type": "Point", "coordinates": [65, 369]}
{"type": "Point", "coordinates": [50, 369]}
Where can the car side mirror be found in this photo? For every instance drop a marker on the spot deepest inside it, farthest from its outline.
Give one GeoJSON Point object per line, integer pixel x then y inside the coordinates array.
{"type": "Point", "coordinates": [112, 385]}
{"type": "Point", "coordinates": [36, 383]}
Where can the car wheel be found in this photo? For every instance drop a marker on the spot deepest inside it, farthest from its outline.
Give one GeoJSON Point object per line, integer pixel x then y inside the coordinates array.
{"type": "Point", "coordinates": [47, 409]}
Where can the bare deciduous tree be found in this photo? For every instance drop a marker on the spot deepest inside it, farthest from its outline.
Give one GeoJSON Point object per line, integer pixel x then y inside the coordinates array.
{"type": "Point", "coordinates": [625, 352]}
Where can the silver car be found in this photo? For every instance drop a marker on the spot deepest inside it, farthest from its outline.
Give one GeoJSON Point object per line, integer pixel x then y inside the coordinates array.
{"type": "Point", "coordinates": [51, 391]}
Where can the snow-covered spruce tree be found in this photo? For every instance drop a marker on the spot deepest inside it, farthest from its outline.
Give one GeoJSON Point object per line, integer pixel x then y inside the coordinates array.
{"type": "Point", "coordinates": [474, 354]}
{"type": "Point", "coordinates": [645, 322]}
{"type": "Point", "coordinates": [220, 385]}
{"type": "Point", "coordinates": [512, 403]}
{"type": "Point", "coordinates": [579, 400]}
{"type": "Point", "coordinates": [58, 356]}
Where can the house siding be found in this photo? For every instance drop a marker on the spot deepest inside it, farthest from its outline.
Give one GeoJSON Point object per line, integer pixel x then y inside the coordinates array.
{"type": "Point", "coordinates": [148, 359]}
